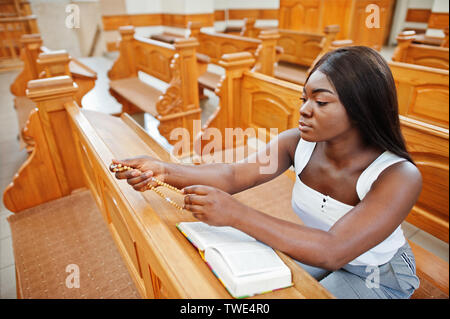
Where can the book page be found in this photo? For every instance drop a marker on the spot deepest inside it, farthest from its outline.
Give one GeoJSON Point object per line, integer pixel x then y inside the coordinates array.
{"type": "Point", "coordinates": [249, 258]}
{"type": "Point", "coordinates": [204, 235]}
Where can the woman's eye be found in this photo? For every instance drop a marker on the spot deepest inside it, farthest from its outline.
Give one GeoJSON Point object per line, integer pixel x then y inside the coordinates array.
{"type": "Point", "coordinates": [321, 103]}
{"type": "Point", "coordinates": [303, 99]}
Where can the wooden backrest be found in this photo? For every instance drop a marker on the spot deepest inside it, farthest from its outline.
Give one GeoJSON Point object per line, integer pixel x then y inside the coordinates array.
{"type": "Point", "coordinates": [40, 62]}
{"type": "Point", "coordinates": [252, 100]}
{"type": "Point", "coordinates": [11, 30]}
{"type": "Point", "coordinates": [216, 44]}
{"type": "Point", "coordinates": [428, 146]}
{"type": "Point", "coordinates": [302, 48]}
{"type": "Point", "coordinates": [422, 92]}
{"type": "Point", "coordinates": [420, 54]}
{"type": "Point", "coordinates": [162, 263]}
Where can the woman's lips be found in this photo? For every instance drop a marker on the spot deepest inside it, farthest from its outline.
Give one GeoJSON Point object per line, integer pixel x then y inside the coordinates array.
{"type": "Point", "coordinates": [303, 126]}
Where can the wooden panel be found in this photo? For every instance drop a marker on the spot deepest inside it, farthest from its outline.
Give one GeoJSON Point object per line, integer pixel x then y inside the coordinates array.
{"type": "Point", "coordinates": [438, 20]}
{"type": "Point", "coordinates": [422, 92]}
{"type": "Point", "coordinates": [300, 47]}
{"type": "Point", "coordinates": [113, 22]}
{"type": "Point", "coordinates": [418, 15]}
{"type": "Point", "coordinates": [269, 103]}
{"type": "Point", "coordinates": [302, 15]}
{"type": "Point", "coordinates": [121, 228]}
{"type": "Point", "coordinates": [428, 145]}
{"type": "Point", "coordinates": [215, 45]}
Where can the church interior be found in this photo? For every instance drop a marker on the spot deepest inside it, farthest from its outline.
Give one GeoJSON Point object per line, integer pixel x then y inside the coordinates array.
{"type": "Point", "coordinates": [82, 82]}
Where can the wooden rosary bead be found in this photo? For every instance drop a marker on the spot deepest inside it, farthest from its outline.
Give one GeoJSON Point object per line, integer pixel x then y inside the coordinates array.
{"type": "Point", "coordinates": [121, 168]}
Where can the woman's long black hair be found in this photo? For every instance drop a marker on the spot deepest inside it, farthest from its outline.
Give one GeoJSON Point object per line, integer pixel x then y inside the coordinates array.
{"type": "Point", "coordinates": [366, 88]}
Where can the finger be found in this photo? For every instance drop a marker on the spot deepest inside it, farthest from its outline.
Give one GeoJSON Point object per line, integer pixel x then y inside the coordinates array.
{"type": "Point", "coordinates": [197, 189]}
{"type": "Point", "coordinates": [131, 162]}
{"type": "Point", "coordinates": [145, 185]}
{"type": "Point", "coordinates": [194, 208]}
{"type": "Point", "coordinates": [128, 174]}
{"type": "Point", "coordinates": [139, 178]}
{"type": "Point", "coordinates": [193, 199]}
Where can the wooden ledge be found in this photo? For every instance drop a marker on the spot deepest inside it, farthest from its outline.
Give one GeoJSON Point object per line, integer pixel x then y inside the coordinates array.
{"type": "Point", "coordinates": [53, 57]}
{"type": "Point", "coordinates": [181, 43]}
{"type": "Point", "coordinates": [236, 59]}
{"type": "Point", "coordinates": [58, 85]}
{"type": "Point", "coordinates": [269, 34]}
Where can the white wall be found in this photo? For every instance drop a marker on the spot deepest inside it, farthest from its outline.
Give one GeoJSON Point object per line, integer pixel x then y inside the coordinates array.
{"type": "Point", "coordinates": [143, 7]}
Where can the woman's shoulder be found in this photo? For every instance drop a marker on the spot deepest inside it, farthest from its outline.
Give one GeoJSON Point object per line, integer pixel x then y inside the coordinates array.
{"type": "Point", "coordinates": [404, 171]}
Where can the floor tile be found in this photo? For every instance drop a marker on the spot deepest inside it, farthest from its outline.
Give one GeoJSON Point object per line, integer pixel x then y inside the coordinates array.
{"type": "Point", "coordinates": [6, 252]}
{"type": "Point", "coordinates": [432, 244]}
{"type": "Point", "coordinates": [8, 283]}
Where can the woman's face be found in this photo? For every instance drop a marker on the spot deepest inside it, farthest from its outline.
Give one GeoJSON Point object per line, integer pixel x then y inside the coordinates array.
{"type": "Point", "coordinates": [322, 115]}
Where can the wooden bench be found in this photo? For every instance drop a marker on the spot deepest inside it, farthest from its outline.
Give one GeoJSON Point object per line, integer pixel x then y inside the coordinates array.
{"type": "Point", "coordinates": [39, 62]}
{"type": "Point", "coordinates": [215, 44]}
{"type": "Point", "coordinates": [175, 103]}
{"type": "Point", "coordinates": [428, 146]}
{"type": "Point", "coordinates": [250, 100]}
{"type": "Point", "coordinates": [300, 51]}
{"type": "Point", "coordinates": [420, 54]}
{"type": "Point", "coordinates": [161, 262]}
{"type": "Point", "coordinates": [422, 92]}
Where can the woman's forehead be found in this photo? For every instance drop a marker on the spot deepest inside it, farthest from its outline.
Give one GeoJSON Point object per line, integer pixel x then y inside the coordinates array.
{"type": "Point", "coordinates": [319, 80]}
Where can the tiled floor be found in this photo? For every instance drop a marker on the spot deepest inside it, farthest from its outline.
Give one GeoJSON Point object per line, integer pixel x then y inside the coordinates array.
{"type": "Point", "coordinates": [12, 157]}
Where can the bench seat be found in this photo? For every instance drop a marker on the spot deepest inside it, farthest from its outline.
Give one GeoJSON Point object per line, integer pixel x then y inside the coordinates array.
{"type": "Point", "coordinates": [69, 230]}
{"type": "Point", "coordinates": [141, 94]}
{"type": "Point", "coordinates": [432, 272]}
{"type": "Point", "coordinates": [291, 72]}
{"type": "Point", "coordinates": [209, 80]}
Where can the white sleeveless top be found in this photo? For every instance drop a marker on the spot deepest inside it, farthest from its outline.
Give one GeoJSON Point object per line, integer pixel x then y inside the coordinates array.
{"type": "Point", "coordinates": [321, 211]}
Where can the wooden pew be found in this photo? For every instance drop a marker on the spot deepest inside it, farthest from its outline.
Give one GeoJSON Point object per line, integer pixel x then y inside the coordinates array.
{"type": "Point", "coordinates": [216, 44]}
{"type": "Point", "coordinates": [300, 50]}
{"type": "Point", "coordinates": [176, 105]}
{"type": "Point", "coordinates": [162, 263]}
{"type": "Point", "coordinates": [422, 92]}
{"type": "Point", "coordinates": [428, 146]}
{"type": "Point", "coordinates": [420, 54]}
{"type": "Point", "coordinates": [250, 100]}
{"type": "Point", "coordinates": [39, 62]}
{"type": "Point", "coordinates": [11, 30]}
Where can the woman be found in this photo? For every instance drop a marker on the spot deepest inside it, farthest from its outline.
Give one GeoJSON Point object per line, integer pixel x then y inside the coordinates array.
{"type": "Point", "coordinates": [355, 183]}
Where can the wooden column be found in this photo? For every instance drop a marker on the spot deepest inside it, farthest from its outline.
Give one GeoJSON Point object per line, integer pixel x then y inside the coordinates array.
{"type": "Point", "coordinates": [179, 106]}
{"type": "Point", "coordinates": [124, 66]}
{"type": "Point", "coordinates": [29, 52]}
{"type": "Point", "coordinates": [404, 40]}
{"type": "Point", "coordinates": [267, 52]}
{"type": "Point", "coordinates": [52, 170]}
{"type": "Point", "coordinates": [54, 63]}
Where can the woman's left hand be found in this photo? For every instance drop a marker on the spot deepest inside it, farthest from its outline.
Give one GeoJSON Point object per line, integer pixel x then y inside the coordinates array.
{"type": "Point", "coordinates": [211, 205]}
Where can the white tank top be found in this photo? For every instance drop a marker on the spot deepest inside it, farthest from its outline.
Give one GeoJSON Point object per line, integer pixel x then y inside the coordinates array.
{"type": "Point", "coordinates": [321, 211]}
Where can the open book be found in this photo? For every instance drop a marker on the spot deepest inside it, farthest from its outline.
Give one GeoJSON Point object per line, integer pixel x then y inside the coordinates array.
{"type": "Point", "coordinates": [245, 266]}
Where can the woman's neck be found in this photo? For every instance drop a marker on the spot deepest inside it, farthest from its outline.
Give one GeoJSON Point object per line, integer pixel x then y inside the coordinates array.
{"type": "Point", "coordinates": [342, 151]}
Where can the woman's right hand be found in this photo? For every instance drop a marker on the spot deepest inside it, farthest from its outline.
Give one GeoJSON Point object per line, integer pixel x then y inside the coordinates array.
{"type": "Point", "coordinates": [144, 169]}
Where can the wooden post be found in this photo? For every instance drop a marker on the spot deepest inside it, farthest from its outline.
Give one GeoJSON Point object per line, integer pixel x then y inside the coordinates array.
{"type": "Point", "coordinates": [179, 106]}
{"type": "Point", "coordinates": [331, 32]}
{"type": "Point", "coordinates": [249, 29]}
{"type": "Point", "coordinates": [52, 170]}
{"type": "Point", "coordinates": [29, 52]}
{"type": "Point", "coordinates": [404, 40]}
{"type": "Point", "coordinates": [195, 27]}
{"type": "Point", "coordinates": [54, 63]}
{"type": "Point", "coordinates": [266, 53]}
{"type": "Point", "coordinates": [124, 66]}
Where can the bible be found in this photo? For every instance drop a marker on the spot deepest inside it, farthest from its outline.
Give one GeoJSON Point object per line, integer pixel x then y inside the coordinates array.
{"type": "Point", "coordinates": [245, 266]}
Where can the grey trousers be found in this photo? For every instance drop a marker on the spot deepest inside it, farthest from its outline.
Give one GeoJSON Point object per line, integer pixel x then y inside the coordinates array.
{"type": "Point", "coordinates": [394, 280]}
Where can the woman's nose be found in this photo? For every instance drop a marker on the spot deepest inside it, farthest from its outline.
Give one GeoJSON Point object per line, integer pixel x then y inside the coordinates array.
{"type": "Point", "coordinates": [306, 109]}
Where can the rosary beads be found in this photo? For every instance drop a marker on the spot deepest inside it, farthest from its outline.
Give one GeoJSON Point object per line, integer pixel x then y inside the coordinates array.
{"type": "Point", "coordinates": [121, 168]}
